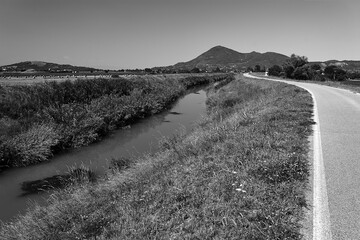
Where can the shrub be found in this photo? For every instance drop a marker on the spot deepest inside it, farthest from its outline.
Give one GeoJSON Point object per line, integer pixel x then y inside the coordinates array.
{"type": "Point", "coordinates": [76, 124]}
{"type": "Point", "coordinates": [32, 146]}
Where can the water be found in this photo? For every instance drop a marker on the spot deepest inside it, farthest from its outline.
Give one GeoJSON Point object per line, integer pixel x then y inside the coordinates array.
{"type": "Point", "coordinates": [140, 138]}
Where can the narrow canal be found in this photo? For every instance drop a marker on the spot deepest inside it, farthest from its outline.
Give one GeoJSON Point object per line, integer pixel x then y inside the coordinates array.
{"type": "Point", "coordinates": [142, 137]}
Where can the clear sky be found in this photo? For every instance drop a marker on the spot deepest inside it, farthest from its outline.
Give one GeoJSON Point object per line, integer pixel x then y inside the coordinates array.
{"type": "Point", "coordinates": [119, 34]}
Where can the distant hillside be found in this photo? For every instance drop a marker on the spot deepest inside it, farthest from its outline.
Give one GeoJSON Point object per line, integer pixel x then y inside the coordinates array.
{"type": "Point", "coordinates": [38, 66]}
{"type": "Point", "coordinates": [346, 64]}
{"type": "Point", "coordinates": [224, 57]}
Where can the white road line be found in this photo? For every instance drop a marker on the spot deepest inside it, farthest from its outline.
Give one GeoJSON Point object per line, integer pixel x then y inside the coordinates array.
{"type": "Point", "coordinates": [321, 213]}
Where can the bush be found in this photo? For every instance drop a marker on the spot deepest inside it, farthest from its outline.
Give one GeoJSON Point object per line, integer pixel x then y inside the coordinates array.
{"type": "Point", "coordinates": [32, 146]}
{"type": "Point", "coordinates": [76, 124]}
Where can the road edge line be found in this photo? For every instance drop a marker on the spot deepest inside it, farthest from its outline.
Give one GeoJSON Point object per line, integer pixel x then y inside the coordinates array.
{"type": "Point", "coordinates": [321, 213]}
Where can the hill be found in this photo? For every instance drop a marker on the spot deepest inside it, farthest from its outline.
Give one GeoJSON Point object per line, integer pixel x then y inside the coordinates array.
{"type": "Point", "coordinates": [39, 66]}
{"type": "Point", "coordinates": [220, 56]}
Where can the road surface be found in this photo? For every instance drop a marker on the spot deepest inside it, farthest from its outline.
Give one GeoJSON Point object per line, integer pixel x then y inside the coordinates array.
{"type": "Point", "coordinates": [336, 166]}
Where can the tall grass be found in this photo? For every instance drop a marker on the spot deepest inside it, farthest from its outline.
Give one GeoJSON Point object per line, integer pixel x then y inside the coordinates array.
{"type": "Point", "coordinates": [241, 174]}
{"type": "Point", "coordinates": [39, 120]}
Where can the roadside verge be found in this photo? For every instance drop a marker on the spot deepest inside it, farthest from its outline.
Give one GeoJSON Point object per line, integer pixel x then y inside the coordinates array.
{"type": "Point", "coordinates": [320, 210]}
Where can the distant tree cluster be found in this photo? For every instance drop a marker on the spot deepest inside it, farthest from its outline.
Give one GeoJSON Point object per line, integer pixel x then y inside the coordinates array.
{"type": "Point", "coordinates": [298, 67]}
{"type": "Point", "coordinates": [256, 68]}
{"type": "Point", "coordinates": [353, 74]}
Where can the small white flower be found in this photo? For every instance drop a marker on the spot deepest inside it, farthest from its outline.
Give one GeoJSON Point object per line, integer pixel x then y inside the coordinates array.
{"type": "Point", "coordinates": [240, 190]}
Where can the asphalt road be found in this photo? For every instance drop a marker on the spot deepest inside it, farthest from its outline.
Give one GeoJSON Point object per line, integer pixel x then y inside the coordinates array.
{"type": "Point", "coordinates": [336, 176]}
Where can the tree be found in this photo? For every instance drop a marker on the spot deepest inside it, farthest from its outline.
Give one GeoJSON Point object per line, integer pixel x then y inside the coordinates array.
{"type": "Point", "coordinates": [249, 69]}
{"type": "Point", "coordinates": [257, 68]}
{"type": "Point", "coordinates": [288, 70]}
{"type": "Point", "coordinates": [335, 73]}
{"type": "Point", "coordinates": [315, 67]}
{"type": "Point", "coordinates": [353, 74]}
{"type": "Point", "coordinates": [275, 70]}
{"type": "Point", "coordinates": [195, 70]}
{"type": "Point", "coordinates": [217, 69]}
{"type": "Point", "coordinates": [302, 73]}
{"type": "Point", "coordinates": [148, 70]}
{"type": "Point", "coordinates": [298, 61]}
{"type": "Point", "coordinates": [292, 64]}
{"type": "Point", "coordinates": [184, 70]}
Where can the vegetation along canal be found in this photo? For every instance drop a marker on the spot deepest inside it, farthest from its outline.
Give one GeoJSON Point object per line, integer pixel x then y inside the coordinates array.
{"type": "Point", "coordinates": [142, 137]}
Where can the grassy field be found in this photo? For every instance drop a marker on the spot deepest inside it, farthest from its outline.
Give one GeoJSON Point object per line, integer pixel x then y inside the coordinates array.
{"type": "Point", "coordinates": [241, 174]}
{"type": "Point", "coordinates": [39, 120]}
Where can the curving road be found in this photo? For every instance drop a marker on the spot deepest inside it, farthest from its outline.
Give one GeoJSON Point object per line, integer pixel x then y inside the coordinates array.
{"type": "Point", "coordinates": [336, 165]}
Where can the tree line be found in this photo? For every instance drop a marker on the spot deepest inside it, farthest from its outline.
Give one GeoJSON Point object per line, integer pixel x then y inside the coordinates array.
{"type": "Point", "coordinates": [299, 68]}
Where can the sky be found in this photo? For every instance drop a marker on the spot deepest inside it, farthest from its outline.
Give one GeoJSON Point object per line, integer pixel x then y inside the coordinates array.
{"type": "Point", "coordinates": [117, 34]}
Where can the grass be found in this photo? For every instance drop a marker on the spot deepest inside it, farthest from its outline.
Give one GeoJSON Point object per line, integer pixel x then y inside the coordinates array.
{"type": "Point", "coordinates": [39, 120]}
{"type": "Point", "coordinates": [353, 86]}
{"type": "Point", "coordinates": [241, 174]}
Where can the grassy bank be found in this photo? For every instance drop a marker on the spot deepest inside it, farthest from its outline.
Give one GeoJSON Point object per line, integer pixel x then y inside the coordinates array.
{"type": "Point", "coordinates": [241, 174]}
{"type": "Point", "coordinates": [39, 120]}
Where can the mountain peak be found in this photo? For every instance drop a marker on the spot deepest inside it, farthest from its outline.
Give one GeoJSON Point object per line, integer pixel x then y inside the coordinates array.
{"type": "Point", "coordinates": [218, 47]}
{"type": "Point", "coordinates": [220, 56]}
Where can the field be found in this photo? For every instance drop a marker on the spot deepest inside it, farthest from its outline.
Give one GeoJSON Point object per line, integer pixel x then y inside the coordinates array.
{"type": "Point", "coordinates": [241, 174]}
{"type": "Point", "coordinates": [39, 120]}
